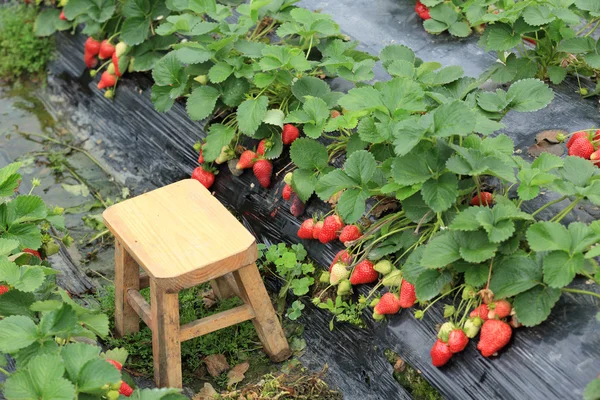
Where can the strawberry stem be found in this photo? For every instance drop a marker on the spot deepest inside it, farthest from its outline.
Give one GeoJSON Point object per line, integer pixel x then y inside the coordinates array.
{"type": "Point", "coordinates": [579, 291]}
{"type": "Point", "coordinates": [542, 208]}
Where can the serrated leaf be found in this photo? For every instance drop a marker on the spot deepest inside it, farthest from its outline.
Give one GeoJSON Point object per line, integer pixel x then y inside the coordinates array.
{"type": "Point", "coordinates": [453, 118]}
{"type": "Point", "coordinates": [467, 220]}
{"type": "Point", "coordinates": [332, 183]}
{"type": "Point", "coordinates": [219, 72]}
{"type": "Point", "coordinates": [309, 154]}
{"type": "Point", "coordinates": [360, 166]}
{"type": "Point", "coordinates": [441, 251]}
{"type": "Point", "coordinates": [219, 135]}
{"type": "Point", "coordinates": [560, 268]}
{"type": "Point", "coordinates": [75, 355]}
{"type": "Point", "coordinates": [514, 274]}
{"type": "Point", "coordinates": [430, 283]}
{"type": "Point", "coordinates": [16, 332]}
{"type": "Point", "coordinates": [548, 236]}
{"type": "Point", "coordinates": [476, 275]}
{"type": "Point", "coordinates": [351, 205]}
{"type": "Point", "coordinates": [535, 305]}
{"type": "Point", "coordinates": [96, 373]}
{"type": "Point", "coordinates": [475, 247]}
{"type": "Point", "coordinates": [304, 182]}
{"type": "Point", "coordinates": [201, 102]}
{"type": "Point", "coordinates": [274, 117]}
{"type": "Point", "coordinates": [529, 95]}
{"type": "Point", "coordinates": [251, 113]}
{"type": "Point", "coordinates": [440, 194]}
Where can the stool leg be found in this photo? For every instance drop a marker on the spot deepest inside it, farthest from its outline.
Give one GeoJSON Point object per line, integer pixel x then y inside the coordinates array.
{"type": "Point", "coordinates": [127, 276]}
{"type": "Point", "coordinates": [224, 287]}
{"type": "Point", "coordinates": [166, 348]}
{"type": "Point", "coordinates": [252, 291]}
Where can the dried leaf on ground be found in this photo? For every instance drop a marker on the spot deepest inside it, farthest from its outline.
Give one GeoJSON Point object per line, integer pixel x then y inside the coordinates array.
{"type": "Point", "coordinates": [216, 364]}
{"type": "Point", "coordinates": [549, 136]}
{"type": "Point", "coordinates": [236, 374]}
{"type": "Point", "coordinates": [206, 393]}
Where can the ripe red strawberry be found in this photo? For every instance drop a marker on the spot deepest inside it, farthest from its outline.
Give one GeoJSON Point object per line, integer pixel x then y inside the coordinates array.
{"type": "Point", "coordinates": [440, 353]}
{"type": "Point", "coordinates": [125, 389]}
{"type": "Point", "coordinates": [575, 136]}
{"type": "Point", "coordinates": [422, 10]}
{"type": "Point", "coordinates": [286, 193]}
{"type": "Point", "coordinates": [408, 297]}
{"type": "Point", "coordinates": [247, 160]}
{"type": "Point", "coordinates": [388, 304]}
{"type": "Point", "coordinates": [92, 46]}
{"type": "Point", "coordinates": [457, 341]}
{"type": "Point", "coordinates": [3, 289]}
{"type": "Point", "coordinates": [33, 253]}
{"type": "Point", "coordinates": [335, 113]}
{"type": "Point", "coordinates": [206, 178]}
{"type": "Point", "coordinates": [115, 61]}
{"type": "Point", "coordinates": [262, 170]}
{"type": "Point", "coordinates": [500, 309]}
{"type": "Point", "coordinates": [481, 312]}
{"type": "Point", "coordinates": [494, 335]}
{"type": "Point", "coordinates": [261, 147]}
{"type": "Point", "coordinates": [297, 206]}
{"type": "Point", "coordinates": [597, 135]}
{"type": "Point", "coordinates": [90, 60]}
{"type": "Point", "coordinates": [581, 147]}
{"type": "Point", "coordinates": [331, 226]}
{"type": "Point", "coordinates": [317, 230]}
{"type": "Point", "coordinates": [306, 230]}
{"type": "Point", "coordinates": [62, 15]}
{"type": "Point", "coordinates": [107, 80]}
{"type": "Point", "coordinates": [117, 364]}
{"type": "Point", "coordinates": [484, 199]}
{"type": "Point", "coordinates": [595, 157]}
{"type": "Point", "coordinates": [200, 157]}
{"type": "Point", "coordinates": [350, 233]}
{"type": "Point", "coordinates": [106, 50]}
{"type": "Point", "coordinates": [342, 256]}
{"type": "Point", "coordinates": [363, 273]}
{"type": "Point", "coordinates": [289, 134]}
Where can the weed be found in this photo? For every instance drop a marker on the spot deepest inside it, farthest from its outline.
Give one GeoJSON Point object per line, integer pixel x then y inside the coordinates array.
{"type": "Point", "coordinates": [21, 52]}
{"type": "Point", "coordinates": [411, 379]}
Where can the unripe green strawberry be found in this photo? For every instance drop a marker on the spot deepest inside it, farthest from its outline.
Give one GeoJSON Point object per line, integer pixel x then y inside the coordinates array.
{"type": "Point", "coordinates": [384, 267]}
{"type": "Point", "coordinates": [109, 94]}
{"type": "Point", "coordinates": [344, 287]}
{"type": "Point", "coordinates": [472, 327]}
{"type": "Point", "coordinates": [288, 178]}
{"type": "Point", "coordinates": [111, 68]}
{"type": "Point", "coordinates": [201, 79]}
{"type": "Point", "coordinates": [469, 292]}
{"type": "Point", "coordinates": [324, 278]}
{"type": "Point", "coordinates": [338, 272]}
{"type": "Point", "coordinates": [225, 155]}
{"type": "Point", "coordinates": [374, 302]}
{"type": "Point", "coordinates": [120, 49]}
{"type": "Point", "coordinates": [393, 279]}
{"type": "Point", "coordinates": [445, 330]}
{"type": "Point", "coordinates": [113, 394]}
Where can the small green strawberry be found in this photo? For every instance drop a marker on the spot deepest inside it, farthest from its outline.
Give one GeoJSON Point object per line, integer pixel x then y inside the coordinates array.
{"type": "Point", "coordinates": [384, 267]}
{"type": "Point", "coordinates": [338, 272]}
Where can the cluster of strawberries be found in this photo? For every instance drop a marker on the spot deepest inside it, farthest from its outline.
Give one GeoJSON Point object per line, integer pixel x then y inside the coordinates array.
{"type": "Point", "coordinates": [261, 166]}
{"type": "Point", "coordinates": [488, 320]}
{"type": "Point", "coordinates": [584, 144]}
{"type": "Point", "coordinates": [105, 50]}
{"type": "Point", "coordinates": [120, 389]}
{"type": "Point", "coordinates": [422, 10]}
{"type": "Point", "coordinates": [328, 229]}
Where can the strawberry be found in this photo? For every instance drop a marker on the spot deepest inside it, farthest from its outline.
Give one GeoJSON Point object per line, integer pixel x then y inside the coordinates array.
{"type": "Point", "coordinates": [92, 46]}
{"type": "Point", "coordinates": [288, 178]}
{"type": "Point", "coordinates": [90, 60]}
{"type": "Point", "coordinates": [364, 273]}
{"type": "Point", "coordinates": [33, 253]}
{"type": "Point", "coordinates": [581, 147]}
{"type": "Point", "coordinates": [200, 157]}
{"type": "Point", "coordinates": [120, 49]}
{"type": "Point", "coordinates": [344, 287]}
{"type": "Point", "coordinates": [472, 326]}
{"type": "Point", "coordinates": [422, 10]}
{"type": "Point", "coordinates": [286, 193]}
{"type": "Point", "coordinates": [306, 230]}
{"type": "Point", "coordinates": [331, 226]}
{"type": "Point", "coordinates": [115, 61]}
{"type": "Point", "coordinates": [481, 312]}
{"type": "Point", "coordinates": [262, 170]}
{"type": "Point", "coordinates": [117, 364]}
{"type": "Point", "coordinates": [247, 160]}
{"type": "Point", "coordinates": [440, 353]}
{"type": "Point", "coordinates": [341, 256]}
{"type": "Point", "coordinates": [595, 157]}
{"type": "Point", "coordinates": [107, 80]}
{"type": "Point", "coordinates": [335, 113]}
{"type": "Point", "coordinates": [317, 230]}
{"type": "Point", "coordinates": [457, 341]}
{"type": "Point", "coordinates": [205, 177]}
{"type": "Point", "coordinates": [408, 297]}
{"type": "Point", "coordinates": [484, 199]}
{"type": "Point", "coordinates": [597, 135]}
{"type": "Point", "coordinates": [3, 289]}
{"type": "Point", "coordinates": [338, 272]}
{"type": "Point", "coordinates": [384, 267]}
{"type": "Point", "coordinates": [106, 50]}
{"type": "Point", "coordinates": [297, 206]}
{"type": "Point", "coordinates": [289, 134]}
{"type": "Point", "coordinates": [62, 15]}
{"type": "Point", "coordinates": [388, 304]}
{"type": "Point", "coordinates": [125, 389]}
{"type": "Point", "coordinates": [262, 147]}
{"type": "Point", "coordinates": [350, 233]}
{"type": "Point", "coordinates": [500, 309]}
{"type": "Point", "coordinates": [495, 334]}
{"type": "Point", "coordinates": [575, 136]}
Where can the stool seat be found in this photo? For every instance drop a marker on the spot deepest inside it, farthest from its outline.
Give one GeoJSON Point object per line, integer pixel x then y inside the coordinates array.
{"type": "Point", "coordinates": [181, 234]}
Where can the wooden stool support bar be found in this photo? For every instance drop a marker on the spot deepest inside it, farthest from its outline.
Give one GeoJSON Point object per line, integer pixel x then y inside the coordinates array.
{"type": "Point", "coordinates": [141, 306]}
{"type": "Point", "coordinates": [215, 322]}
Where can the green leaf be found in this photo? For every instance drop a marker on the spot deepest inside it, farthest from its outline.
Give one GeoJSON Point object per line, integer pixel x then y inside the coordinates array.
{"type": "Point", "coordinates": [498, 231]}
{"type": "Point", "coordinates": [460, 29]}
{"type": "Point", "coordinates": [219, 72]}
{"type": "Point", "coordinates": [415, 208]}
{"type": "Point", "coordinates": [168, 71]}
{"type": "Point", "coordinates": [7, 246]}
{"type": "Point", "coordinates": [351, 205]}
{"type": "Point", "coordinates": [9, 179]}
{"type": "Point", "coordinates": [46, 22]}
{"type": "Point", "coordinates": [233, 91]}
{"type": "Point", "coordinates": [28, 208]}
{"type": "Point", "coordinates": [537, 15]}
{"type": "Point", "coordinates": [219, 135]}
{"type": "Point", "coordinates": [476, 274]}
{"type": "Point", "coordinates": [577, 45]}
{"type": "Point", "coordinates": [15, 302]}
{"type": "Point", "coordinates": [441, 251]}
{"type": "Point", "coordinates": [514, 274]}
{"type": "Point", "coordinates": [557, 74]}
{"type": "Point", "coordinates": [251, 113]}
{"type": "Point", "coordinates": [24, 278]}
{"type": "Point", "coordinates": [75, 355]}
{"type": "Point", "coordinates": [96, 373]}
{"type": "Point", "coordinates": [475, 246]}
{"type": "Point", "coordinates": [310, 86]}
{"type": "Point", "coordinates": [467, 220]}
{"type": "Point", "coordinates": [28, 235]}
{"type": "Point", "coordinates": [430, 283]}
{"type": "Point", "coordinates": [58, 321]}
{"type": "Point", "coordinates": [309, 154]}
{"type": "Point", "coordinates": [41, 380]}
{"type": "Point", "coordinates": [201, 102]}
{"type": "Point", "coordinates": [394, 52]}
{"type": "Point", "coordinates": [16, 332]}
{"type": "Point", "coordinates": [441, 193]}
{"type": "Point", "coordinates": [191, 53]}
{"type": "Point", "coordinates": [534, 305]}
{"type": "Point", "coordinates": [529, 95]}
{"type": "Point", "coordinates": [364, 98]}
{"type": "Point", "coordinates": [135, 30]}
{"type": "Point", "coordinates": [360, 166]}
{"type": "Point", "coordinates": [501, 37]}
{"type": "Point", "coordinates": [548, 236]}
{"type": "Point", "coordinates": [161, 98]}
{"type": "Point", "coordinates": [592, 390]}
{"type": "Point", "coordinates": [453, 118]}
{"type": "Point", "coordinates": [332, 183]}
{"type": "Point", "coordinates": [304, 182]}
{"type": "Point", "coordinates": [560, 268]}
{"type": "Point", "coordinates": [97, 323]}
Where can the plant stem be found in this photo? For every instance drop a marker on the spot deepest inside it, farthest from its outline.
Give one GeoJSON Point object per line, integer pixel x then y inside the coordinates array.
{"type": "Point", "coordinates": [5, 372]}
{"type": "Point", "coordinates": [558, 217]}
{"type": "Point", "coordinates": [579, 291]}
{"type": "Point", "coordinates": [542, 208]}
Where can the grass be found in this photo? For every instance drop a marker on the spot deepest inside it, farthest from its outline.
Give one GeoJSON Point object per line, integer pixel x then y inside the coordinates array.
{"type": "Point", "coordinates": [411, 379]}
{"type": "Point", "coordinates": [22, 54]}
{"type": "Point", "coordinates": [237, 343]}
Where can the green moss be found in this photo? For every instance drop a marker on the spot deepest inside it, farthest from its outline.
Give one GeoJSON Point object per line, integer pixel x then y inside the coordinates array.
{"type": "Point", "coordinates": [21, 52]}
{"type": "Point", "coordinates": [411, 379]}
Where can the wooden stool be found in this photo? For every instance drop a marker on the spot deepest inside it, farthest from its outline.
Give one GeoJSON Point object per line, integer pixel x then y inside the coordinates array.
{"type": "Point", "coordinates": [182, 236]}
